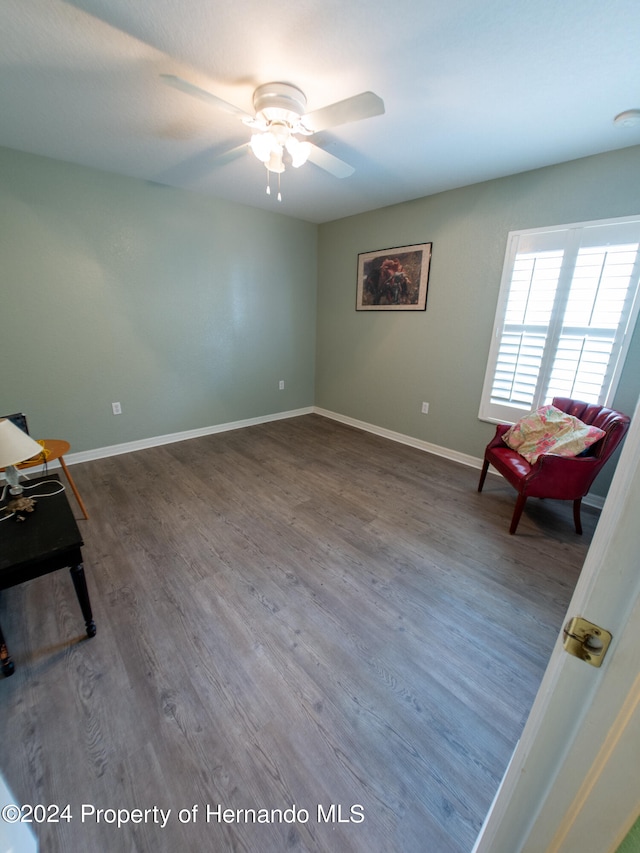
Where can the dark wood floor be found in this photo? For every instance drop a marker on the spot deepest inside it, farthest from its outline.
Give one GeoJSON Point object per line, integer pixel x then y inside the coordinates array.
{"type": "Point", "coordinates": [296, 614]}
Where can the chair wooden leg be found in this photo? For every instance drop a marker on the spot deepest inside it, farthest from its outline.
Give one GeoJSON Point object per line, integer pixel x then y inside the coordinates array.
{"type": "Point", "coordinates": [517, 512]}
{"type": "Point", "coordinates": [483, 474]}
{"type": "Point", "coordinates": [576, 515]}
{"type": "Point", "coordinates": [73, 488]}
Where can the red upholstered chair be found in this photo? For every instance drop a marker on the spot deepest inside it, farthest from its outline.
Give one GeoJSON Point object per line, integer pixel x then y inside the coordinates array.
{"type": "Point", "coordinates": [561, 477]}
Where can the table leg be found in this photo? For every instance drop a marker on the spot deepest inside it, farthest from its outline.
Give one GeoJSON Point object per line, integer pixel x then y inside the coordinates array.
{"type": "Point", "coordinates": [80, 584]}
{"type": "Point", "coordinates": [73, 487]}
{"type": "Point", "coordinates": [5, 658]}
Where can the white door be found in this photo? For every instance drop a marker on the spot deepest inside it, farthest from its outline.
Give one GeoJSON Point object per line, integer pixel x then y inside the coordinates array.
{"type": "Point", "coordinates": [573, 783]}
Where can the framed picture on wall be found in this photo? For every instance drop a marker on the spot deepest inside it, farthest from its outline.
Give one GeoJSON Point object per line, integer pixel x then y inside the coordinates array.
{"type": "Point", "coordinates": [394, 279]}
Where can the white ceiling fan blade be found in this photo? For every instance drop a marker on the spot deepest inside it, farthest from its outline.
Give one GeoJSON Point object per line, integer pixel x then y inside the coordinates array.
{"type": "Point", "coordinates": [199, 166]}
{"type": "Point", "coordinates": [231, 155]}
{"type": "Point", "coordinates": [364, 105]}
{"type": "Point", "coordinates": [324, 160]}
{"type": "Point", "coordinates": [197, 92]}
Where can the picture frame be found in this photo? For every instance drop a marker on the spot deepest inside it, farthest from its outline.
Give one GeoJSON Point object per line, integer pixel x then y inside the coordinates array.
{"type": "Point", "coordinates": [394, 279]}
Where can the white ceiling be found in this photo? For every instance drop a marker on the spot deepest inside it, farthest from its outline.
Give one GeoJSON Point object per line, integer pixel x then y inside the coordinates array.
{"type": "Point", "coordinates": [473, 89]}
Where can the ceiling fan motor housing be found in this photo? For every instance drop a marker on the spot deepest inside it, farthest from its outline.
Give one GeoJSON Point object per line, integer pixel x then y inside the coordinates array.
{"type": "Point", "coordinates": [281, 118]}
{"type": "Point", "coordinates": [280, 102]}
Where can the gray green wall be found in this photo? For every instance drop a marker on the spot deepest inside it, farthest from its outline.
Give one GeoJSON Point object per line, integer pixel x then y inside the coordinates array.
{"type": "Point", "coordinates": [186, 310]}
{"type": "Point", "coordinates": [189, 310]}
{"type": "Point", "coordinates": [378, 367]}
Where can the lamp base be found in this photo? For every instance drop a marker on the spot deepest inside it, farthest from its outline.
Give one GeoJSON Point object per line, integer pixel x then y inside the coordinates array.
{"type": "Point", "coordinates": [20, 504]}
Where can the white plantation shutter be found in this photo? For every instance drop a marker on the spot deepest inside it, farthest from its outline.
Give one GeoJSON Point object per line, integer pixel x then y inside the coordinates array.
{"type": "Point", "coordinates": [567, 307]}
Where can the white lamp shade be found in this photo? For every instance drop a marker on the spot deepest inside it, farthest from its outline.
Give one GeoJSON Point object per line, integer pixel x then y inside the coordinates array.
{"type": "Point", "coordinates": [15, 445]}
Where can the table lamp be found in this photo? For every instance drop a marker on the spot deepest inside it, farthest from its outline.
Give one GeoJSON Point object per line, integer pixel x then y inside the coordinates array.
{"type": "Point", "coordinates": [15, 447]}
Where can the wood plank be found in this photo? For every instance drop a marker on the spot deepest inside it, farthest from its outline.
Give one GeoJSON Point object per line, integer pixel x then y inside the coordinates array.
{"type": "Point", "coordinates": [296, 613]}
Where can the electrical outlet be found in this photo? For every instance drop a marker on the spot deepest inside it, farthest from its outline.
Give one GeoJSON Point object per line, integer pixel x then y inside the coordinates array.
{"type": "Point", "coordinates": [425, 408]}
{"type": "Point", "coordinates": [281, 385]}
{"type": "Point", "coordinates": [117, 408]}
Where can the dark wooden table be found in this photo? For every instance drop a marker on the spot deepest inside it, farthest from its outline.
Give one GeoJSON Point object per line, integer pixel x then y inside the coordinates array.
{"type": "Point", "coordinates": [47, 540]}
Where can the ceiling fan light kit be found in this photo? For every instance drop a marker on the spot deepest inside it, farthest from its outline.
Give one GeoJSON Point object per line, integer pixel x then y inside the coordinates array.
{"type": "Point", "coordinates": [280, 119]}
{"type": "Point", "coordinates": [299, 151]}
{"type": "Point", "coordinates": [279, 108]}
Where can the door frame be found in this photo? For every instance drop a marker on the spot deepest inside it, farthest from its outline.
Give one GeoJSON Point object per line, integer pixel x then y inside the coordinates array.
{"type": "Point", "coordinates": [573, 756]}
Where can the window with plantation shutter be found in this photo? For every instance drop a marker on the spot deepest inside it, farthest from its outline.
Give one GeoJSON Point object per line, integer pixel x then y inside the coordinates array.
{"type": "Point", "coordinates": [567, 307]}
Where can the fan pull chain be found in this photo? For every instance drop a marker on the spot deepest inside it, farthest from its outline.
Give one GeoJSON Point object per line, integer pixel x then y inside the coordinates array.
{"type": "Point", "coordinates": [269, 184]}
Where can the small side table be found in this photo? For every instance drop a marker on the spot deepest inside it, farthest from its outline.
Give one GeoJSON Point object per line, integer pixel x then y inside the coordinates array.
{"type": "Point", "coordinates": [48, 540]}
{"type": "Point", "coordinates": [57, 448]}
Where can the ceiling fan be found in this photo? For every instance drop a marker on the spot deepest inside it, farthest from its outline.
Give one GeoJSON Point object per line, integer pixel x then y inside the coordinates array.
{"type": "Point", "coordinates": [282, 129]}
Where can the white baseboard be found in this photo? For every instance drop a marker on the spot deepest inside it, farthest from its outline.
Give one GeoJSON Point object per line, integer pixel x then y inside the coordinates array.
{"type": "Point", "coordinates": [170, 438]}
{"type": "Point", "coordinates": [426, 446]}
{"type": "Point", "coordinates": [436, 449]}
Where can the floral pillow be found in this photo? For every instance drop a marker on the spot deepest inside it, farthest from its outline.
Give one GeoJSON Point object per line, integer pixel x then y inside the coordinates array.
{"type": "Point", "coordinates": [549, 430]}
